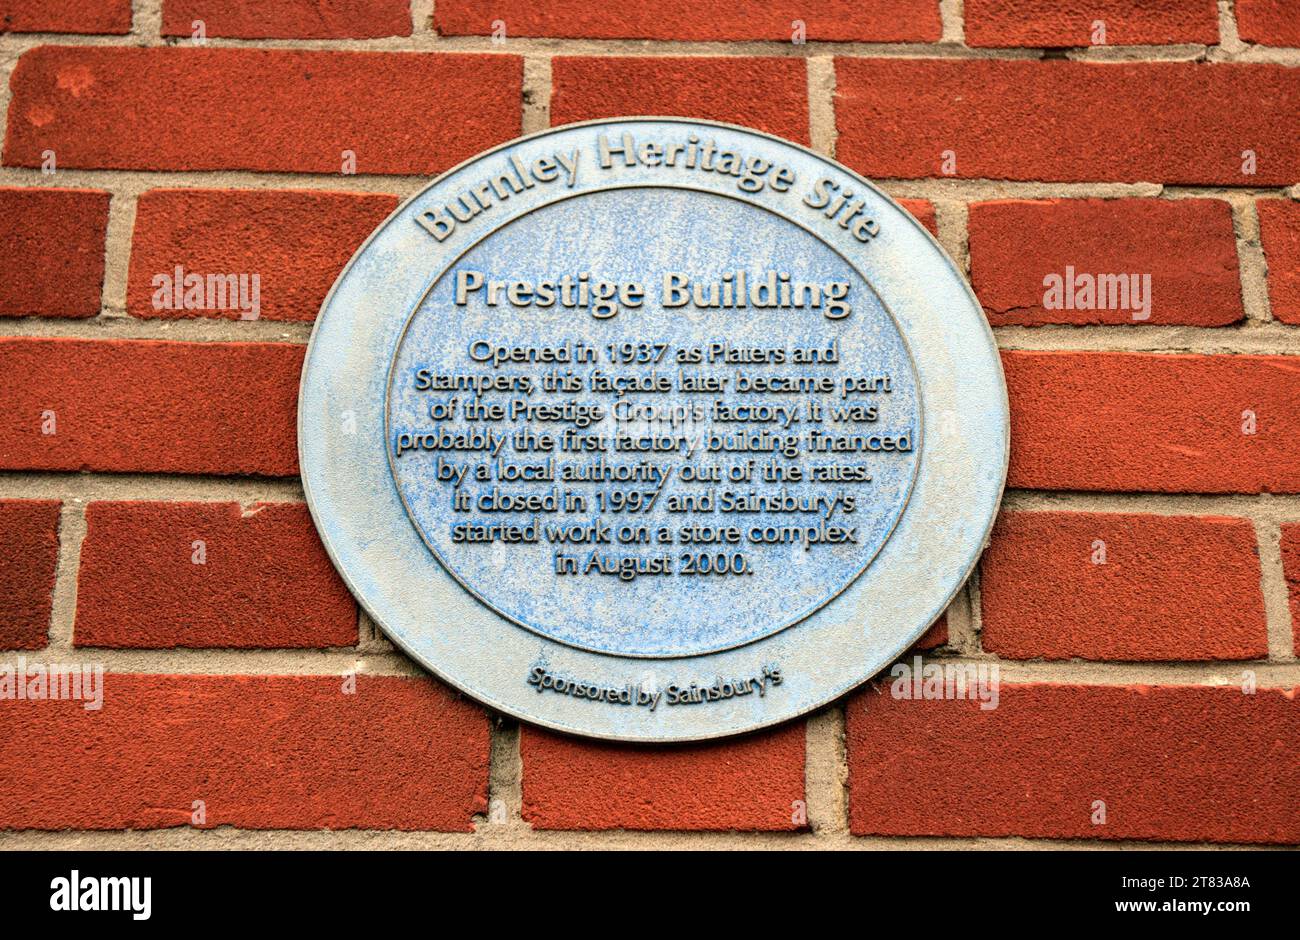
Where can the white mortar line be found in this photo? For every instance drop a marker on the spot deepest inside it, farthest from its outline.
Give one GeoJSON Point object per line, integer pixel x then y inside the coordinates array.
{"type": "Point", "coordinates": [337, 661]}
{"type": "Point", "coordinates": [505, 777]}
{"type": "Point", "coordinates": [951, 218]}
{"type": "Point", "coordinates": [401, 185]}
{"type": "Point", "coordinates": [146, 23]}
{"type": "Point", "coordinates": [964, 619]}
{"type": "Point", "coordinates": [1250, 260]}
{"type": "Point", "coordinates": [1266, 507]}
{"type": "Point", "coordinates": [370, 640]}
{"type": "Point", "coordinates": [1229, 40]}
{"type": "Point", "coordinates": [972, 639]}
{"type": "Point", "coordinates": [146, 34]}
{"type": "Point", "coordinates": [536, 113]}
{"type": "Point", "coordinates": [952, 16]}
{"type": "Point", "coordinates": [1250, 338]}
{"type": "Point", "coordinates": [1277, 607]}
{"type": "Point", "coordinates": [72, 533]}
{"type": "Point", "coordinates": [226, 838]}
{"type": "Point", "coordinates": [1247, 338]}
{"type": "Point", "coordinates": [822, 133]}
{"type": "Point", "coordinates": [163, 487]}
{"type": "Point", "coordinates": [115, 325]}
{"type": "Point", "coordinates": [38, 484]}
{"type": "Point", "coordinates": [117, 253]}
{"type": "Point", "coordinates": [826, 771]}
{"type": "Point", "coordinates": [422, 18]}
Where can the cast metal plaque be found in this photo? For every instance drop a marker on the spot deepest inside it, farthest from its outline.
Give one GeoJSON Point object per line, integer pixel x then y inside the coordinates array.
{"type": "Point", "coordinates": [652, 429]}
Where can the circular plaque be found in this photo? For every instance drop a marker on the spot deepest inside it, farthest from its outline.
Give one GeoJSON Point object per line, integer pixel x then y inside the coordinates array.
{"type": "Point", "coordinates": [652, 429]}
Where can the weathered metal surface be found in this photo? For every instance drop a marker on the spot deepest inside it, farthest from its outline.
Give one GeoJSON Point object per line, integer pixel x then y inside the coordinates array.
{"type": "Point", "coordinates": [589, 496]}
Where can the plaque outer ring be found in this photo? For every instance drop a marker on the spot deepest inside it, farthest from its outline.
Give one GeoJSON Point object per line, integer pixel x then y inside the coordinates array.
{"type": "Point", "coordinates": [384, 561]}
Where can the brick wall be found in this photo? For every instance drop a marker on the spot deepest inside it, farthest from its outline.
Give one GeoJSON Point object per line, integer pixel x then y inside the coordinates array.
{"type": "Point", "coordinates": [1146, 564]}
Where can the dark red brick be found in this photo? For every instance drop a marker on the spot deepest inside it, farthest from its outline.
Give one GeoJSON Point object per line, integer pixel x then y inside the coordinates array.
{"type": "Point", "coordinates": [1279, 230]}
{"type": "Point", "coordinates": [936, 636]}
{"type": "Point", "coordinates": [1122, 586]}
{"type": "Point", "coordinates": [289, 19]}
{"type": "Point", "coordinates": [748, 783]}
{"type": "Point", "coordinates": [828, 20]}
{"type": "Point", "coordinates": [1269, 22]}
{"type": "Point", "coordinates": [1291, 572]}
{"type": "Point", "coordinates": [261, 752]}
{"type": "Point", "coordinates": [770, 94]}
{"type": "Point", "coordinates": [29, 558]}
{"type": "Point", "coordinates": [295, 241]}
{"type": "Point", "coordinates": [149, 407]}
{"type": "Point", "coordinates": [1154, 423]}
{"type": "Point", "coordinates": [923, 209]}
{"type": "Point", "coordinates": [1181, 763]}
{"type": "Point", "coordinates": [65, 16]}
{"type": "Point", "coordinates": [1166, 122]}
{"type": "Point", "coordinates": [1051, 23]}
{"type": "Point", "coordinates": [1186, 247]}
{"type": "Point", "coordinates": [52, 252]}
{"type": "Point", "coordinates": [172, 108]}
{"type": "Point", "coordinates": [264, 581]}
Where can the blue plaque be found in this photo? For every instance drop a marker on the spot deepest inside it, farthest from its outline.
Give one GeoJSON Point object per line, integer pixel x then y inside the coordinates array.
{"type": "Point", "coordinates": [652, 429]}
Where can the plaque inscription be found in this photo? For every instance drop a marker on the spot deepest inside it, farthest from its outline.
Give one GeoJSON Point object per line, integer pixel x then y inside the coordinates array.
{"type": "Point", "coordinates": [644, 407]}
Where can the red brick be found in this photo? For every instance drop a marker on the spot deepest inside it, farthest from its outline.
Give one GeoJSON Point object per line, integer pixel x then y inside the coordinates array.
{"type": "Point", "coordinates": [289, 19]}
{"type": "Point", "coordinates": [828, 20]}
{"type": "Point", "coordinates": [770, 94]}
{"type": "Point", "coordinates": [144, 406]}
{"type": "Point", "coordinates": [65, 16]}
{"type": "Point", "coordinates": [265, 580]}
{"type": "Point", "coordinates": [171, 108]}
{"type": "Point", "coordinates": [747, 783]}
{"type": "Point", "coordinates": [1169, 122]}
{"type": "Point", "coordinates": [1269, 22]}
{"type": "Point", "coordinates": [261, 752]}
{"type": "Point", "coordinates": [936, 636]}
{"type": "Point", "coordinates": [296, 242]}
{"type": "Point", "coordinates": [1178, 763]}
{"type": "Point", "coordinates": [1186, 246]}
{"type": "Point", "coordinates": [52, 251]}
{"type": "Point", "coordinates": [29, 556]}
{"type": "Point", "coordinates": [1166, 587]}
{"type": "Point", "coordinates": [1291, 571]}
{"type": "Point", "coordinates": [1155, 423]}
{"type": "Point", "coordinates": [1279, 230]}
{"type": "Point", "coordinates": [1054, 24]}
{"type": "Point", "coordinates": [923, 209]}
